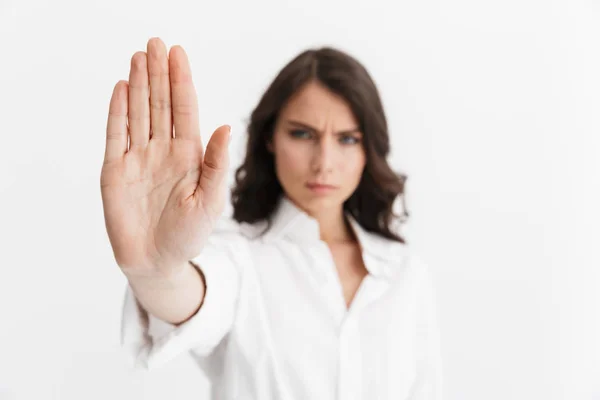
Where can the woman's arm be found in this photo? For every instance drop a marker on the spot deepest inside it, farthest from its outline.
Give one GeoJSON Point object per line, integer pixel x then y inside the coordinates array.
{"type": "Point", "coordinates": [175, 298]}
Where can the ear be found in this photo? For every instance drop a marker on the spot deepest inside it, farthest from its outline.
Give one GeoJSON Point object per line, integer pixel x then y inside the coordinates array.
{"type": "Point", "coordinates": [270, 146]}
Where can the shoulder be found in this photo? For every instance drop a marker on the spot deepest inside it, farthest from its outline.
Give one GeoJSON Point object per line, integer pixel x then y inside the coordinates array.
{"type": "Point", "coordinates": [400, 261]}
{"type": "Point", "coordinates": [229, 243]}
{"type": "Point", "coordinates": [420, 273]}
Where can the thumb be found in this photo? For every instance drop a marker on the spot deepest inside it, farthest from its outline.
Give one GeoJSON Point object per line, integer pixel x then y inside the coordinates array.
{"type": "Point", "coordinates": [215, 164]}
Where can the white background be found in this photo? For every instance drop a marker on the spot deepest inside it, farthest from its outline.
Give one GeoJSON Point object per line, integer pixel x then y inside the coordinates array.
{"type": "Point", "coordinates": [494, 111]}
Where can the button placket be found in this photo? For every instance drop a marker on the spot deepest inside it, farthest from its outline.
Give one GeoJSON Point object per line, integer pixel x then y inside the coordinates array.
{"type": "Point", "coordinates": [331, 286]}
{"type": "Point", "coordinates": [350, 360]}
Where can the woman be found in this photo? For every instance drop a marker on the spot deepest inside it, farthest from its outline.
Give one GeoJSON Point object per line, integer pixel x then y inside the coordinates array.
{"type": "Point", "coordinates": [308, 293]}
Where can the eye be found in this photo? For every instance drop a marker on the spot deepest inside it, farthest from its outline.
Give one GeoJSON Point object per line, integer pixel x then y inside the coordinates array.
{"type": "Point", "coordinates": [347, 139]}
{"type": "Point", "coordinates": [300, 134]}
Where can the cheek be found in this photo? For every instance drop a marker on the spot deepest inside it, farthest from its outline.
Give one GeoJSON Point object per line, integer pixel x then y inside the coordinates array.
{"type": "Point", "coordinates": [291, 159]}
{"type": "Point", "coordinates": [352, 167]}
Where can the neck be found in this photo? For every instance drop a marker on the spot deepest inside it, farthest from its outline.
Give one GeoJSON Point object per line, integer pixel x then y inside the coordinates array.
{"type": "Point", "coordinates": [333, 226]}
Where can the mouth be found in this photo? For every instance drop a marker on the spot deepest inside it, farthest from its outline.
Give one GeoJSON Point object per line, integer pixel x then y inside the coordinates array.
{"type": "Point", "coordinates": [320, 187]}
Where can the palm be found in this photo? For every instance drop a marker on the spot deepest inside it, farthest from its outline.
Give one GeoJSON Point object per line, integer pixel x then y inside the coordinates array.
{"type": "Point", "coordinates": [161, 194]}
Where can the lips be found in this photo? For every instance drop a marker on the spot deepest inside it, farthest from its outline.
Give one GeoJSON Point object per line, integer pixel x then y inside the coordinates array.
{"type": "Point", "coordinates": [320, 186]}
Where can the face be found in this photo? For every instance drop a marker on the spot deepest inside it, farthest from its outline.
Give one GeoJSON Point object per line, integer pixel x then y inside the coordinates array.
{"type": "Point", "coordinates": [318, 149]}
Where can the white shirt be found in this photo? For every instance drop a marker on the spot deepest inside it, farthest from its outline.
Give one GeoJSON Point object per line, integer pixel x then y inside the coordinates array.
{"type": "Point", "coordinates": [275, 326]}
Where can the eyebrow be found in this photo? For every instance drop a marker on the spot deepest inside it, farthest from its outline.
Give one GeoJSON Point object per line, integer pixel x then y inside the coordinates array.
{"type": "Point", "coordinates": [305, 126]}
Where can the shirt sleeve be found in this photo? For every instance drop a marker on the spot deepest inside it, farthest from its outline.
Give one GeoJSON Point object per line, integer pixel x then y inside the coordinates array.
{"type": "Point", "coordinates": [429, 380]}
{"type": "Point", "coordinates": [151, 342]}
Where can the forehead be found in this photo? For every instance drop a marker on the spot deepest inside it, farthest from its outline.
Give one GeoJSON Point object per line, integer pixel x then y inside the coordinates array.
{"type": "Point", "coordinates": [316, 105]}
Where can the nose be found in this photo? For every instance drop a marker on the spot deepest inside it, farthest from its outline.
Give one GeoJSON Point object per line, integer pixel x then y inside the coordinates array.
{"type": "Point", "coordinates": [324, 155]}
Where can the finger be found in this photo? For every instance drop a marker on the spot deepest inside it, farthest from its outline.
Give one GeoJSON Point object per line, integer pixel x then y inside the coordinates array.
{"type": "Point", "coordinates": [139, 108]}
{"type": "Point", "coordinates": [216, 163]}
{"type": "Point", "coordinates": [160, 90]}
{"type": "Point", "coordinates": [116, 126]}
{"type": "Point", "coordinates": [183, 93]}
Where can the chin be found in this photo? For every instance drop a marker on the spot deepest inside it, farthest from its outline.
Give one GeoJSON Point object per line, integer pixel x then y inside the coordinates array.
{"type": "Point", "coordinates": [315, 204]}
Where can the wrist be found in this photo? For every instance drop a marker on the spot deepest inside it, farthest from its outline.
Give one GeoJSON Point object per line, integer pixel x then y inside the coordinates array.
{"type": "Point", "coordinates": [170, 278]}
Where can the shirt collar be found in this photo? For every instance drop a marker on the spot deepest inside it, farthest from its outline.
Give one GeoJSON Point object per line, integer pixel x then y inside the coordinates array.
{"type": "Point", "coordinates": [290, 222]}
